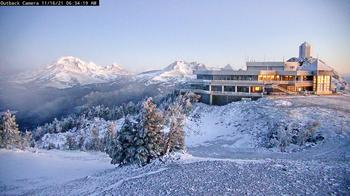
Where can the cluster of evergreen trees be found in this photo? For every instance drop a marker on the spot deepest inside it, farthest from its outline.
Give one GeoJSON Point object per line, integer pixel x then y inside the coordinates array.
{"type": "Point", "coordinates": [10, 136]}
{"type": "Point", "coordinates": [78, 119]}
{"type": "Point", "coordinates": [142, 139]}
{"type": "Point", "coordinates": [109, 113]}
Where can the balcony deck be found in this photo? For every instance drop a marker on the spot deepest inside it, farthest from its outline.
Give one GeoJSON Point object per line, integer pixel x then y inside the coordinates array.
{"type": "Point", "coordinates": [250, 82]}
{"type": "Point", "coordinates": [237, 94]}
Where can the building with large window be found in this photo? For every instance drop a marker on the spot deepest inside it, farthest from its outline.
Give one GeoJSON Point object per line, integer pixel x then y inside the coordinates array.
{"type": "Point", "coordinates": [295, 76]}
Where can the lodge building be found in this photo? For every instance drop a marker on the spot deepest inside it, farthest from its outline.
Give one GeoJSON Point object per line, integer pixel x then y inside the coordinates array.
{"type": "Point", "coordinates": [303, 75]}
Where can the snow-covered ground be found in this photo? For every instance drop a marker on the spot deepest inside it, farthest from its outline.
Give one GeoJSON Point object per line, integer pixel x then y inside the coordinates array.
{"type": "Point", "coordinates": [228, 151]}
{"type": "Point", "coordinates": [22, 171]}
{"type": "Point", "coordinates": [240, 129]}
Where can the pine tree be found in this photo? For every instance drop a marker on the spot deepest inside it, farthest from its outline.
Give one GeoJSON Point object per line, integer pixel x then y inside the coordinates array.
{"type": "Point", "coordinates": [26, 140]}
{"type": "Point", "coordinates": [109, 138]}
{"type": "Point", "coordinates": [175, 115]}
{"type": "Point", "coordinates": [95, 141]}
{"type": "Point", "coordinates": [152, 122]}
{"type": "Point", "coordinates": [1, 133]}
{"type": "Point", "coordinates": [10, 135]}
{"type": "Point", "coordinates": [140, 142]}
{"type": "Point", "coordinates": [71, 143]}
{"type": "Point", "coordinates": [123, 148]}
{"type": "Point", "coordinates": [130, 107]}
{"type": "Point", "coordinates": [175, 139]}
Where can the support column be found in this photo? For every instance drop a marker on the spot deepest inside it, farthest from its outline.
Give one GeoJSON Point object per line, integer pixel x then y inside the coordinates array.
{"type": "Point", "coordinates": [249, 89]}
{"type": "Point", "coordinates": [222, 88]}
{"type": "Point", "coordinates": [295, 83]}
{"type": "Point", "coordinates": [263, 91]}
{"type": "Point", "coordinates": [210, 99]}
{"type": "Point", "coordinates": [235, 89]}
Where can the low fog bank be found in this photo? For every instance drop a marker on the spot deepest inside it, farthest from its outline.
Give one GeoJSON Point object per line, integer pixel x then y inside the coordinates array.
{"type": "Point", "coordinates": [35, 106]}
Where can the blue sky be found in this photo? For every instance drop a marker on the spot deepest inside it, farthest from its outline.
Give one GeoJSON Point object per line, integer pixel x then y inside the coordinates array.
{"type": "Point", "coordinates": [150, 34]}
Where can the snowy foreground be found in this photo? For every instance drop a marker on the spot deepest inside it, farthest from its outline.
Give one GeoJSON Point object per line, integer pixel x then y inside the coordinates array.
{"type": "Point", "coordinates": [228, 156]}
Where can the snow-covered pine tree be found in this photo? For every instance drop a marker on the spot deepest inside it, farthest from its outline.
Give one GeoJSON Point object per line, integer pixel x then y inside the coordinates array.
{"type": "Point", "coordinates": [140, 142]}
{"type": "Point", "coordinates": [95, 140]}
{"type": "Point", "coordinates": [130, 107]}
{"type": "Point", "coordinates": [175, 139]}
{"type": "Point", "coordinates": [185, 101]}
{"type": "Point", "coordinates": [151, 125]}
{"type": "Point", "coordinates": [175, 115]}
{"type": "Point", "coordinates": [10, 135]}
{"type": "Point", "coordinates": [71, 143]}
{"type": "Point", "coordinates": [57, 126]}
{"type": "Point", "coordinates": [26, 140]}
{"type": "Point", "coordinates": [1, 133]}
{"type": "Point", "coordinates": [109, 138]}
{"type": "Point", "coordinates": [123, 149]}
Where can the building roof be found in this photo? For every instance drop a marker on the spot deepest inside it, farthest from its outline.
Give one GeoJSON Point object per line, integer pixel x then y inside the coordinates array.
{"type": "Point", "coordinates": [266, 63]}
{"type": "Point", "coordinates": [315, 64]}
{"type": "Point", "coordinates": [227, 72]}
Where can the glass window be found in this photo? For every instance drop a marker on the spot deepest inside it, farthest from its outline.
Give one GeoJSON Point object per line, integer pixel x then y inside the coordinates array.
{"type": "Point", "coordinates": [216, 88]}
{"type": "Point", "coordinates": [229, 88]}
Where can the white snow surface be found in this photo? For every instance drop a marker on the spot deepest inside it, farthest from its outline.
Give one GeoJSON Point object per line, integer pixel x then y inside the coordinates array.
{"type": "Point", "coordinates": [21, 171]}
{"type": "Point", "coordinates": [70, 71]}
{"type": "Point", "coordinates": [226, 157]}
{"type": "Point", "coordinates": [240, 129]}
{"type": "Point", "coordinates": [178, 71]}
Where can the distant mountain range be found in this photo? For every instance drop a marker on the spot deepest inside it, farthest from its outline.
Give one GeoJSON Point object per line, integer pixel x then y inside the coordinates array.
{"type": "Point", "coordinates": [71, 71]}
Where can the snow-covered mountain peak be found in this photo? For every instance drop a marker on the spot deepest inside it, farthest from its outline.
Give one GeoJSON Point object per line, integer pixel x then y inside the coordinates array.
{"type": "Point", "coordinates": [178, 70]}
{"type": "Point", "coordinates": [184, 67]}
{"type": "Point", "coordinates": [69, 60]}
{"type": "Point", "coordinates": [227, 67]}
{"type": "Point", "coordinates": [69, 71]}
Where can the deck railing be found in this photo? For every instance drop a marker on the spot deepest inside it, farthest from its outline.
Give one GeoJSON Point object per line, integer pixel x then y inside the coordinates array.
{"type": "Point", "coordinates": [250, 82]}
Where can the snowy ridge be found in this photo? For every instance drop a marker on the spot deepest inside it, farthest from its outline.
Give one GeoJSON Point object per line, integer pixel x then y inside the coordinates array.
{"type": "Point", "coordinates": [71, 71]}
{"type": "Point", "coordinates": [177, 71]}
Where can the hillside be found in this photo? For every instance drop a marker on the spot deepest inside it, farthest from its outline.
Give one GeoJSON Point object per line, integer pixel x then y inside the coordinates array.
{"type": "Point", "coordinates": [227, 155]}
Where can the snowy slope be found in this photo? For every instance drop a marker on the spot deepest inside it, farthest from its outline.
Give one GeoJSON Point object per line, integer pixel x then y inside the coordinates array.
{"type": "Point", "coordinates": [71, 71]}
{"type": "Point", "coordinates": [27, 170]}
{"type": "Point", "coordinates": [86, 174]}
{"type": "Point", "coordinates": [243, 126]}
{"type": "Point", "coordinates": [229, 157]}
{"type": "Point", "coordinates": [177, 71]}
